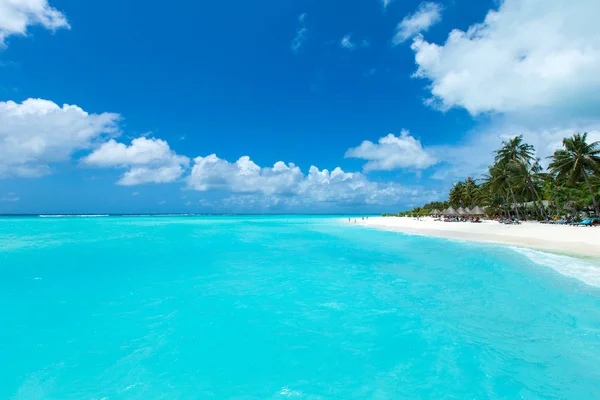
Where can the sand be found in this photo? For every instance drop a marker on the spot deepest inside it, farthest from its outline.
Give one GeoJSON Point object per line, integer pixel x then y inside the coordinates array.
{"type": "Point", "coordinates": [572, 240]}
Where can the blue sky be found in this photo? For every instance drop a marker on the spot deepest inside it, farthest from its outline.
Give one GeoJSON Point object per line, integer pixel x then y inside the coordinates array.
{"type": "Point", "coordinates": [277, 106]}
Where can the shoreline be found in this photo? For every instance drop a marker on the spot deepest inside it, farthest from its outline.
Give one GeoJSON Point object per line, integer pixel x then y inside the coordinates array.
{"type": "Point", "coordinates": [580, 242]}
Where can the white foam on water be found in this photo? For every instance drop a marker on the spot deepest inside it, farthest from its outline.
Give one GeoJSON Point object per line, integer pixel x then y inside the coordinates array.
{"type": "Point", "coordinates": [333, 305]}
{"type": "Point", "coordinates": [73, 216]}
{"type": "Point", "coordinates": [285, 391]}
{"type": "Point", "coordinates": [132, 386]}
{"type": "Point", "coordinates": [583, 270]}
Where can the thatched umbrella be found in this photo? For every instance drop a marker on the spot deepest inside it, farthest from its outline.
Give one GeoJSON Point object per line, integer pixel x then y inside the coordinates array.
{"type": "Point", "coordinates": [449, 211]}
{"type": "Point", "coordinates": [461, 211]}
{"type": "Point", "coordinates": [434, 212]}
{"type": "Point", "coordinates": [467, 211]}
{"type": "Point", "coordinates": [477, 211]}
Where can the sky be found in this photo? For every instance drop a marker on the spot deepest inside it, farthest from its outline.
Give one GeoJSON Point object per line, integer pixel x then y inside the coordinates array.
{"type": "Point", "coordinates": [361, 106]}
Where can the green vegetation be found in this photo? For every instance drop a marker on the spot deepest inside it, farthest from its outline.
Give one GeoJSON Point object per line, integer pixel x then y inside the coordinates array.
{"type": "Point", "coordinates": [516, 185]}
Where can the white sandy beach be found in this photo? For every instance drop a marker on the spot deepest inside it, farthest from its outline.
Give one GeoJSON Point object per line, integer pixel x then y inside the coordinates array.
{"type": "Point", "coordinates": [564, 239]}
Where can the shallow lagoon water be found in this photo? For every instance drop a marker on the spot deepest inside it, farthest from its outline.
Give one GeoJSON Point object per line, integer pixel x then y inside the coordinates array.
{"type": "Point", "coordinates": [286, 307]}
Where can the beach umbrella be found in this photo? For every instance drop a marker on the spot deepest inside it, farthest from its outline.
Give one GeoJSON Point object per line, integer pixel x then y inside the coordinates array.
{"type": "Point", "coordinates": [477, 211]}
{"type": "Point", "coordinates": [449, 211]}
{"type": "Point", "coordinates": [467, 211]}
{"type": "Point", "coordinates": [461, 211]}
{"type": "Point", "coordinates": [433, 212]}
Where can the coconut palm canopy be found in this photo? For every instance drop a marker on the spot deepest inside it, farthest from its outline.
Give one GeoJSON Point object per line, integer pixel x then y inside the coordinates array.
{"type": "Point", "coordinates": [576, 162]}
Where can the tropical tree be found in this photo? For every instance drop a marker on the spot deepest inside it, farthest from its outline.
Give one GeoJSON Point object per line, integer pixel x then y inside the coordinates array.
{"type": "Point", "coordinates": [457, 194]}
{"type": "Point", "coordinates": [517, 178]}
{"type": "Point", "coordinates": [471, 192]}
{"type": "Point", "coordinates": [529, 174]}
{"type": "Point", "coordinates": [578, 159]}
{"type": "Point", "coordinates": [513, 150]}
{"type": "Point", "coordinates": [499, 178]}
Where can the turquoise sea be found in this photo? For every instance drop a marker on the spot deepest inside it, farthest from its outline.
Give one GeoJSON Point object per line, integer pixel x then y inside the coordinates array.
{"type": "Point", "coordinates": [286, 307]}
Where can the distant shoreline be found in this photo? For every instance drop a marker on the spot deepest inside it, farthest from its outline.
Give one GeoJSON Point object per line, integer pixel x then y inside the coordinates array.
{"type": "Point", "coordinates": [99, 215]}
{"type": "Point", "coordinates": [567, 240]}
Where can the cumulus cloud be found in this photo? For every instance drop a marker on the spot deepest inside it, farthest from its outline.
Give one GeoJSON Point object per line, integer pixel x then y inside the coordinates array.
{"type": "Point", "coordinates": [526, 55]}
{"type": "Point", "coordinates": [286, 185]}
{"type": "Point", "coordinates": [36, 133]}
{"type": "Point", "coordinates": [301, 33]}
{"type": "Point", "coordinates": [348, 44]}
{"type": "Point", "coordinates": [244, 175]}
{"type": "Point", "coordinates": [427, 15]}
{"type": "Point", "coordinates": [17, 15]}
{"type": "Point", "coordinates": [393, 152]}
{"type": "Point", "coordinates": [149, 160]}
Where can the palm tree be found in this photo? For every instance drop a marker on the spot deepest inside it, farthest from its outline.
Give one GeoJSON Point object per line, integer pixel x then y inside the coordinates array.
{"type": "Point", "coordinates": [529, 172]}
{"type": "Point", "coordinates": [515, 158]}
{"type": "Point", "coordinates": [515, 150]}
{"type": "Point", "coordinates": [457, 194]}
{"type": "Point", "coordinates": [578, 159]}
{"type": "Point", "coordinates": [470, 192]}
{"type": "Point", "coordinates": [498, 181]}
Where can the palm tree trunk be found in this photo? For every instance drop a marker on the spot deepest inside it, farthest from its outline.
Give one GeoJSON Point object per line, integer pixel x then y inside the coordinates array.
{"type": "Point", "coordinates": [506, 212]}
{"type": "Point", "coordinates": [536, 196]}
{"type": "Point", "coordinates": [587, 180]}
{"type": "Point", "coordinates": [535, 205]}
{"type": "Point", "coordinates": [516, 206]}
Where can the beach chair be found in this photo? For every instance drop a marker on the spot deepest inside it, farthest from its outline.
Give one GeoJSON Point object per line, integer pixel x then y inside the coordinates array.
{"type": "Point", "coordinates": [587, 222]}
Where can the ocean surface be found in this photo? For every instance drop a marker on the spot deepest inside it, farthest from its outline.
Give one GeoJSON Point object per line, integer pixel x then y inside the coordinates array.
{"type": "Point", "coordinates": [286, 307]}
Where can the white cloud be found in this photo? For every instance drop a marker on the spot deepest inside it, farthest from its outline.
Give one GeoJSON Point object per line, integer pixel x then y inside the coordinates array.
{"type": "Point", "coordinates": [10, 197]}
{"type": "Point", "coordinates": [17, 15]}
{"type": "Point", "coordinates": [142, 175]}
{"type": "Point", "coordinates": [348, 44]}
{"type": "Point", "coordinates": [301, 33]}
{"type": "Point", "coordinates": [393, 152]}
{"type": "Point", "coordinates": [427, 15]}
{"type": "Point", "coordinates": [386, 3]}
{"type": "Point", "coordinates": [287, 186]}
{"type": "Point", "coordinates": [149, 161]}
{"type": "Point", "coordinates": [243, 176]}
{"type": "Point", "coordinates": [36, 133]}
{"type": "Point", "coordinates": [142, 151]}
{"type": "Point", "coordinates": [527, 55]}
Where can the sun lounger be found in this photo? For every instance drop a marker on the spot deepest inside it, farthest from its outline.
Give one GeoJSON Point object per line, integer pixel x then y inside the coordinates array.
{"type": "Point", "coordinates": [588, 222]}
